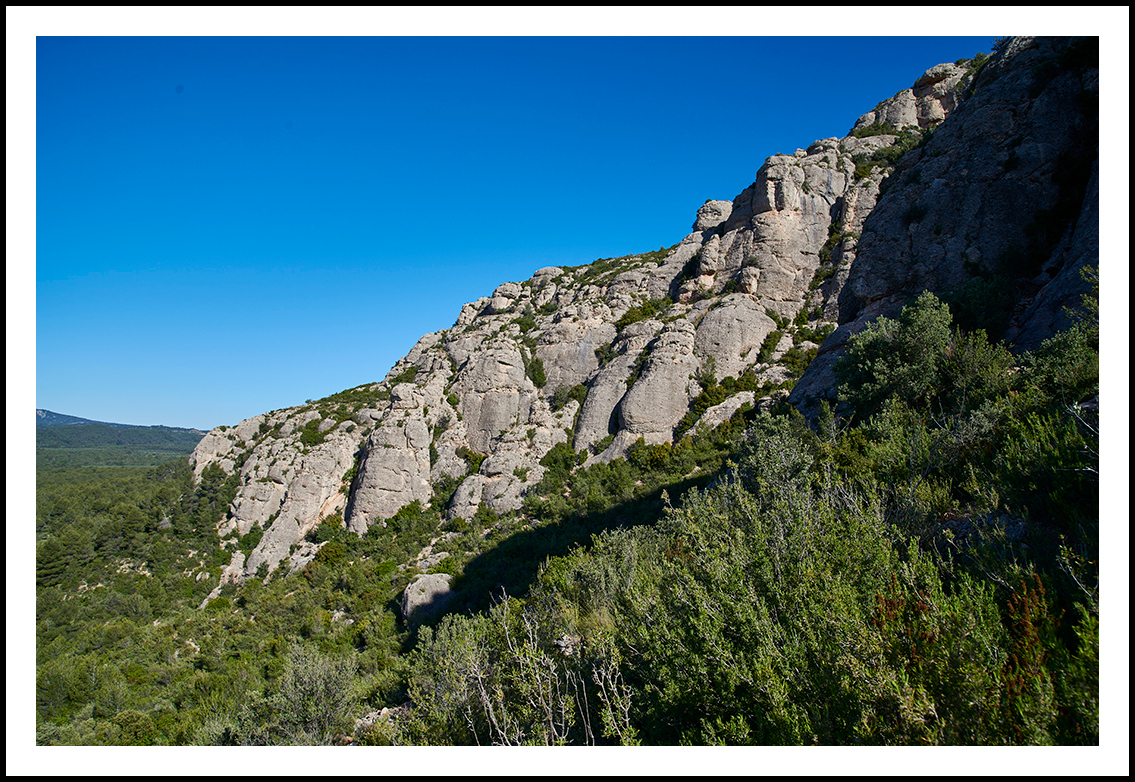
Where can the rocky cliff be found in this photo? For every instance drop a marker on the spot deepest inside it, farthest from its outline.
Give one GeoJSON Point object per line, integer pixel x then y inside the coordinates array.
{"type": "Point", "coordinates": [980, 179]}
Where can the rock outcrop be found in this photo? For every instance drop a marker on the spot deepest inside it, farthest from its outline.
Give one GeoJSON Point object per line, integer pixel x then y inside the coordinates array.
{"type": "Point", "coordinates": [1006, 192]}
{"type": "Point", "coordinates": [979, 171]}
{"type": "Point", "coordinates": [426, 596]}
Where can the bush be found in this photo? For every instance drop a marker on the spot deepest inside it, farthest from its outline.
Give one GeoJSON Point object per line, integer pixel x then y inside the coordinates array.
{"type": "Point", "coordinates": [316, 695]}
{"type": "Point", "coordinates": [896, 358]}
{"type": "Point", "coordinates": [565, 394]}
{"type": "Point", "coordinates": [643, 311]}
{"type": "Point", "coordinates": [310, 434]}
{"type": "Point", "coordinates": [981, 303]}
{"type": "Point", "coordinates": [768, 347]}
{"type": "Point", "coordinates": [535, 372]}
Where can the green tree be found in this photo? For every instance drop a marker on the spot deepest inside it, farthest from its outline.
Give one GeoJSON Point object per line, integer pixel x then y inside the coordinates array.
{"type": "Point", "coordinates": [892, 358]}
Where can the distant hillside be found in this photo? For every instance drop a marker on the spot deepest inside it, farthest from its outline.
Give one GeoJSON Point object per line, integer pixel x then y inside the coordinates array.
{"type": "Point", "coordinates": [46, 419]}
{"type": "Point", "coordinates": [68, 441]}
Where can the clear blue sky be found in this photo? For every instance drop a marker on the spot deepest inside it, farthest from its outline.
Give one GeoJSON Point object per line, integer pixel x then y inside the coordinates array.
{"type": "Point", "coordinates": [229, 225]}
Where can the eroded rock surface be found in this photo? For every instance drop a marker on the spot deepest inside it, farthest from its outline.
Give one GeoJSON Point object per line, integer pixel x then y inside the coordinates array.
{"type": "Point", "coordinates": [986, 173]}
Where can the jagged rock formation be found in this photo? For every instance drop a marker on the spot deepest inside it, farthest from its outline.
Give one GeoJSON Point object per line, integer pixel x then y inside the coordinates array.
{"type": "Point", "coordinates": [1006, 191]}
{"type": "Point", "coordinates": [602, 355]}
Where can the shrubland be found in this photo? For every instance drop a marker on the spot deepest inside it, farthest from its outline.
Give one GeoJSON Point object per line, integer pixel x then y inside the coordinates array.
{"type": "Point", "coordinates": [919, 565]}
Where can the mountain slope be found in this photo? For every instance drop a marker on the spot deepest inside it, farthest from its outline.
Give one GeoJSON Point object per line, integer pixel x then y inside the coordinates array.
{"type": "Point", "coordinates": [976, 182]}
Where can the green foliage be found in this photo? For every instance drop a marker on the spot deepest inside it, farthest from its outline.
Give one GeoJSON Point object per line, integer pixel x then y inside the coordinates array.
{"type": "Point", "coordinates": [927, 575]}
{"type": "Point", "coordinates": [657, 256]}
{"type": "Point", "coordinates": [565, 394]}
{"type": "Point", "coordinates": [647, 309]}
{"type": "Point", "coordinates": [535, 372]}
{"type": "Point", "coordinates": [689, 270]}
{"type": "Point", "coordinates": [602, 445]}
{"type": "Point", "coordinates": [82, 445]}
{"type": "Point", "coordinates": [405, 376]}
{"type": "Point", "coordinates": [526, 321]}
{"type": "Point", "coordinates": [713, 395]}
{"type": "Point", "coordinates": [315, 697]}
{"type": "Point", "coordinates": [896, 358]}
{"type": "Point", "coordinates": [250, 540]}
{"type": "Point", "coordinates": [357, 398]}
{"type": "Point", "coordinates": [604, 354]}
{"type": "Point", "coordinates": [817, 334]}
{"type": "Point", "coordinates": [768, 346]}
{"type": "Point", "coordinates": [637, 367]}
{"type": "Point", "coordinates": [782, 322]}
{"type": "Point", "coordinates": [797, 360]}
{"type": "Point", "coordinates": [559, 461]}
{"type": "Point", "coordinates": [981, 303]}
{"type": "Point", "coordinates": [472, 458]}
{"type": "Point", "coordinates": [908, 138]}
{"type": "Point", "coordinates": [135, 729]}
{"type": "Point", "coordinates": [775, 608]}
{"type": "Point", "coordinates": [310, 434]}
{"type": "Point", "coordinates": [874, 129]}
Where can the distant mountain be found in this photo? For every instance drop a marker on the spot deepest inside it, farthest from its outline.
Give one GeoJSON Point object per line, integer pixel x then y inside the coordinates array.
{"type": "Point", "coordinates": [45, 419]}
{"type": "Point", "coordinates": [67, 440]}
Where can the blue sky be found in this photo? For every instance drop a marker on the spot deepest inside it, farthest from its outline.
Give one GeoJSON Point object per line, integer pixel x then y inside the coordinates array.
{"type": "Point", "coordinates": [229, 225]}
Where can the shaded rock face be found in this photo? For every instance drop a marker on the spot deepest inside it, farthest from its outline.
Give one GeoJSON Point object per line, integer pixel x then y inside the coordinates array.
{"type": "Point", "coordinates": [1006, 191]}
{"type": "Point", "coordinates": [836, 234]}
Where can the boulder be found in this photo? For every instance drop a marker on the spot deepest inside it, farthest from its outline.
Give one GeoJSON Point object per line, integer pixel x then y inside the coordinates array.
{"type": "Point", "coordinates": [426, 597]}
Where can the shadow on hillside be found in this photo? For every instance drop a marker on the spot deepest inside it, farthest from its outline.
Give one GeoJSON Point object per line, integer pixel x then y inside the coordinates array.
{"type": "Point", "coordinates": [511, 566]}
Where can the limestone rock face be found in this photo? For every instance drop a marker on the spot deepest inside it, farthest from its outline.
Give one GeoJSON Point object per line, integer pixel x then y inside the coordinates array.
{"type": "Point", "coordinates": [661, 396]}
{"type": "Point", "coordinates": [839, 232]}
{"type": "Point", "coordinates": [712, 214]}
{"type": "Point", "coordinates": [1005, 190]}
{"type": "Point", "coordinates": [490, 389]}
{"type": "Point", "coordinates": [394, 471]}
{"type": "Point", "coordinates": [928, 102]}
{"type": "Point", "coordinates": [568, 347]}
{"type": "Point", "coordinates": [732, 334]}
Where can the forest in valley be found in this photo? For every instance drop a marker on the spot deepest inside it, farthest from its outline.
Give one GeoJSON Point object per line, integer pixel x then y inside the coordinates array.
{"type": "Point", "coordinates": [917, 565]}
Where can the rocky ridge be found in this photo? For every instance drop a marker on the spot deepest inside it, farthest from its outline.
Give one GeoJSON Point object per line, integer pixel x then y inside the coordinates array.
{"type": "Point", "coordinates": [941, 184]}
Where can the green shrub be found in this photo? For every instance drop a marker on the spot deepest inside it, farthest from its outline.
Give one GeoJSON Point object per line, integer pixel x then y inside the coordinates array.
{"type": "Point", "coordinates": [896, 358]}
{"type": "Point", "coordinates": [565, 394]}
{"type": "Point", "coordinates": [535, 372]}
{"type": "Point", "coordinates": [768, 347]}
{"type": "Point", "coordinates": [874, 129]}
{"type": "Point", "coordinates": [310, 434]}
{"type": "Point", "coordinates": [472, 459]}
{"type": "Point", "coordinates": [406, 376]}
{"type": "Point", "coordinates": [643, 311]}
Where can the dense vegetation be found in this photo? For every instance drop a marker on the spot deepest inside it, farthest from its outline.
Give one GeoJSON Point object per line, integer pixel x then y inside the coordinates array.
{"type": "Point", "coordinates": [96, 444]}
{"type": "Point", "coordinates": [919, 565]}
